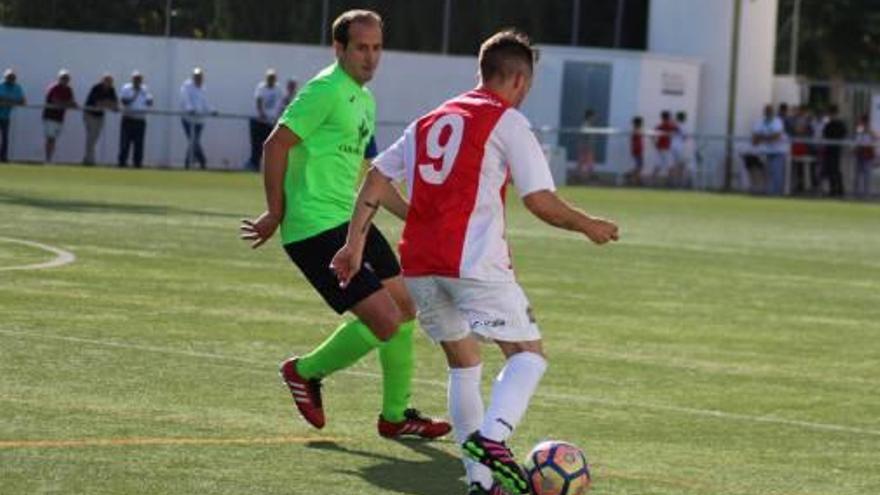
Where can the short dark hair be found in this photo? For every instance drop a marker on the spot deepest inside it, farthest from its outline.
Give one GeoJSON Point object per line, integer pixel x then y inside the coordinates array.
{"type": "Point", "coordinates": [637, 121]}
{"type": "Point", "coordinates": [342, 23]}
{"type": "Point", "coordinates": [665, 115]}
{"type": "Point", "coordinates": [681, 116]}
{"type": "Point", "coordinates": [505, 53]}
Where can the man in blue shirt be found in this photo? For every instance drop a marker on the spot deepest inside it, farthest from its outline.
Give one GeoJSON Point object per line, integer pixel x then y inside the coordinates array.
{"type": "Point", "coordinates": [10, 95]}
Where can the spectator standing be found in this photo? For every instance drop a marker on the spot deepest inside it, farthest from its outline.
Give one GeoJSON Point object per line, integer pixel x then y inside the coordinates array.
{"type": "Point", "coordinates": [681, 155]}
{"type": "Point", "coordinates": [136, 100]}
{"type": "Point", "coordinates": [101, 97]}
{"type": "Point", "coordinates": [291, 92]}
{"type": "Point", "coordinates": [817, 172]}
{"type": "Point", "coordinates": [835, 129]}
{"type": "Point", "coordinates": [803, 160]}
{"type": "Point", "coordinates": [663, 142]}
{"type": "Point", "coordinates": [59, 97]}
{"type": "Point", "coordinates": [269, 99]}
{"type": "Point", "coordinates": [11, 94]}
{"type": "Point", "coordinates": [586, 153]}
{"type": "Point", "coordinates": [194, 105]}
{"type": "Point", "coordinates": [637, 151]}
{"type": "Point", "coordinates": [787, 118]}
{"type": "Point", "coordinates": [770, 139]}
{"type": "Point", "coordinates": [865, 155]}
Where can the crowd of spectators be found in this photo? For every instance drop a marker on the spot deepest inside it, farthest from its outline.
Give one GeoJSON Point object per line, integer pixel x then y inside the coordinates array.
{"type": "Point", "coordinates": [135, 102]}
{"type": "Point", "coordinates": [809, 141]}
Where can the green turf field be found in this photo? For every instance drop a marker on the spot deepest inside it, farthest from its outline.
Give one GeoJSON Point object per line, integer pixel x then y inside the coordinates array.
{"type": "Point", "coordinates": [727, 345]}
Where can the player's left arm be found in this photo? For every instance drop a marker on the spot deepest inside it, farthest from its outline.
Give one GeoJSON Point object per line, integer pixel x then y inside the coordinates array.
{"type": "Point", "coordinates": [532, 178]}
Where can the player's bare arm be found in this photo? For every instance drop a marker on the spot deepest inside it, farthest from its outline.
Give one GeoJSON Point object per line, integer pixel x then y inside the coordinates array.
{"type": "Point", "coordinates": [553, 210]}
{"type": "Point", "coordinates": [347, 261]}
{"type": "Point", "coordinates": [393, 201]}
{"type": "Point", "coordinates": [275, 149]}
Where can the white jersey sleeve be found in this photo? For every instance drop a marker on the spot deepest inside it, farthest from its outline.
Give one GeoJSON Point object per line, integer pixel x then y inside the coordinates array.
{"type": "Point", "coordinates": [523, 154]}
{"type": "Point", "coordinates": [392, 161]}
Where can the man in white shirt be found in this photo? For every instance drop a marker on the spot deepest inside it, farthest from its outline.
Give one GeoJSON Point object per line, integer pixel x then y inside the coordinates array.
{"type": "Point", "coordinates": [269, 99]}
{"type": "Point", "coordinates": [136, 100]}
{"type": "Point", "coordinates": [194, 105]}
{"type": "Point", "coordinates": [770, 139]}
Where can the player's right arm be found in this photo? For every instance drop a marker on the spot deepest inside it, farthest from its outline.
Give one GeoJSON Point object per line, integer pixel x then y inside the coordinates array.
{"type": "Point", "coordinates": [301, 118]}
{"type": "Point", "coordinates": [275, 150]}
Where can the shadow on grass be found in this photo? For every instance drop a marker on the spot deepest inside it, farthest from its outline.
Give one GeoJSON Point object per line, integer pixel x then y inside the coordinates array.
{"type": "Point", "coordinates": [438, 475]}
{"type": "Point", "coordinates": [79, 206]}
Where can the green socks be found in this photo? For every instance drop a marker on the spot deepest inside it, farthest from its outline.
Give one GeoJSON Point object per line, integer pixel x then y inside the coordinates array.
{"type": "Point", "coordinates": [350, 342]}
{"type": "Point", "coordinates": [396, 358]}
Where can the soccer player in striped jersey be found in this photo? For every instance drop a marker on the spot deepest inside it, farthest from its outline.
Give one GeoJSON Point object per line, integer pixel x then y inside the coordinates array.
{"type": "Point", "coordinates": [456, 162]}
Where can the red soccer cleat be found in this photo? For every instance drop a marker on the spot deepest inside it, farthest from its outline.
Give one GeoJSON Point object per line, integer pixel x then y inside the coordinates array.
{"type": "Point", "coordinates": [306, 393]}
{"type": "Point", "coordinates": [414, 425]}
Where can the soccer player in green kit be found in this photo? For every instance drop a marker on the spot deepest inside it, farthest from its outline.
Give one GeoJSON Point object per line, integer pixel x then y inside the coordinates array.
{"type": "Point", "coordinates": [312, 162]}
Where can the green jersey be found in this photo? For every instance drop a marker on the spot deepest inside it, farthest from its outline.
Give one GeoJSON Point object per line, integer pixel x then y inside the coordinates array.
{"type": "Point", "coordinates": [335, 117]}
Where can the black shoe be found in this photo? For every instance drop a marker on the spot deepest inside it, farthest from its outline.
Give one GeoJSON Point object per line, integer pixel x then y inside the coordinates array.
{"type": "Point", "coordinates": [477, 489]}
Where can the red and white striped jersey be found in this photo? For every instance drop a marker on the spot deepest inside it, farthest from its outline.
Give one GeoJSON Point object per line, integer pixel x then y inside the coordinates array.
{"type": "Point", "coordinates": [457, 161]}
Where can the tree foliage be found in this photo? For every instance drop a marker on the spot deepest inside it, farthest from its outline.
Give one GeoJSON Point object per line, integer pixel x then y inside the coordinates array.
{"type": "Point", "coordinates": [838, 39]}
{"type": "Point", "coordinates": [415, 25]}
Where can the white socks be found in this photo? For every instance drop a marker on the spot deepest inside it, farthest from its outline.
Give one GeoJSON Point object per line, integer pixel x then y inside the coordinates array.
{"type": "Point", "coordinates": [511, 393]}
{"type": "Point", "coordinates": [466, 412]}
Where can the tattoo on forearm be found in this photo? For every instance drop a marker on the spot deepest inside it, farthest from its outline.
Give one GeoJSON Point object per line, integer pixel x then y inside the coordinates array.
{"type": "Point", "coordinates": [374, 208]}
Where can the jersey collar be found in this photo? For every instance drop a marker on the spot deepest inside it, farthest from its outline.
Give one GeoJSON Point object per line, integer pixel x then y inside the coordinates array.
{"type": "Point", "coordinates": [340, 73]}
{"type": "Point", "coordinates": [492, 95]}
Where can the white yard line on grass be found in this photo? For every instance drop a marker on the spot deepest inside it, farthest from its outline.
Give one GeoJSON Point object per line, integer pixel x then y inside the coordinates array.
{"type": "Point", "coordinates": [62, 257]}
{"type": "Point", "coordinates": [438, 383]}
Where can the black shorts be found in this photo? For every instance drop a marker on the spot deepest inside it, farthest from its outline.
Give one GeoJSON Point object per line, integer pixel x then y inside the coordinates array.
{"type": "Point", "coordinates": [314, 254]}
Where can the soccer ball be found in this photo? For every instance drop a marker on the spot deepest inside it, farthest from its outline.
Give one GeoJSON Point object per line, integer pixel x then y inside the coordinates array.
{"type": "Point", "coordinates": [557, 468]}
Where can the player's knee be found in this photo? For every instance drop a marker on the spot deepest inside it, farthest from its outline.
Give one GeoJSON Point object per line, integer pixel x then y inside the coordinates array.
{"type": "Point", "coordinates": [385, 327]}
{"type": "Point", "coordinates": [408, 309]}
{"type": "Point", "coordinates": [512, 348]}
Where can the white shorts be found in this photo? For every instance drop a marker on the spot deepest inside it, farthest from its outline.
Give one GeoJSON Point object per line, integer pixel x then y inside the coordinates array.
{"type": "Point", "coordinates": [52, 128]}
{"type": "Point", "coordinates": [664, 161]}
{"type": "Point", "coordinates": [450, 309]}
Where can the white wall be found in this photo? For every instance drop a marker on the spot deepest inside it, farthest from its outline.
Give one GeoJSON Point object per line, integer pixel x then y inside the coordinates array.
{"type": "Point", "coordinates": [406, 86]}
{"type": "Point", "coordinates": [637, 88]}
{"type": "Point", "coordinates": [703, 28]}
{"type": "Point", "coordinates": [787, 89]}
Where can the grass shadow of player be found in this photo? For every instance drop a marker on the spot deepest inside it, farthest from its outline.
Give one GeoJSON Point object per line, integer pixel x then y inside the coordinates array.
{"type": "Point", "coordinates": [81, 206]}
{"type": "Point", "coordinates": [438, 475]}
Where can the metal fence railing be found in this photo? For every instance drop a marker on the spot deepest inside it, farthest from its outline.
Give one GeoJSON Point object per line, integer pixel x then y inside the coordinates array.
{"type": "Point", "coordinates": [576, 155]}
{"type": "Point", "coordinates": [712, 163]}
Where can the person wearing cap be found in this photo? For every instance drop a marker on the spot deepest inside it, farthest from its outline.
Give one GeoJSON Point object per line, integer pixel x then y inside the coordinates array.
{"type": "Point", "coordinates": [59, 97]}
{"type": "Point", "coordinates": [136, 100]}
{"type": "Point", "coordinates": [101, 97]}
{"type": "Point", "coordinates": [11, 94]}
{"type": "Point", "coordinates": [194, 105]}
{"type": "Point", "coordinates": [270, 103]}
